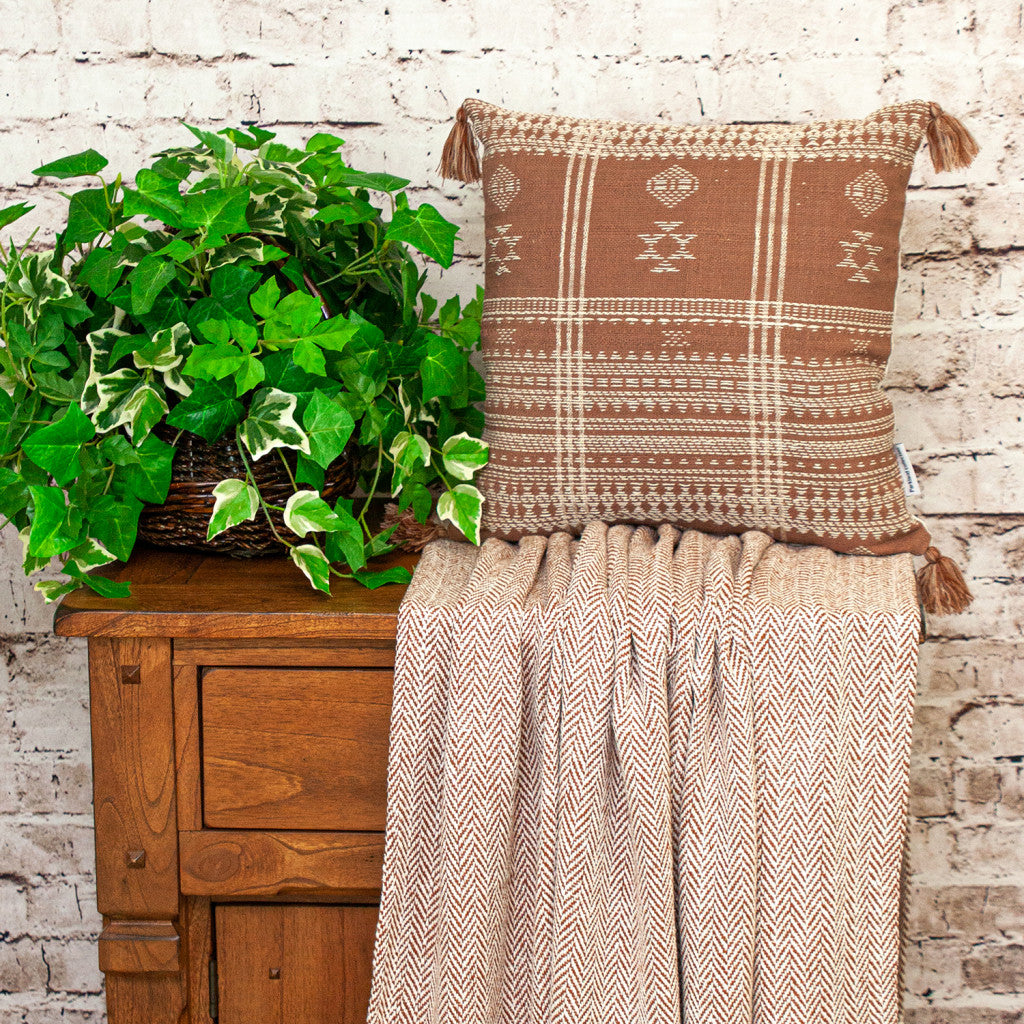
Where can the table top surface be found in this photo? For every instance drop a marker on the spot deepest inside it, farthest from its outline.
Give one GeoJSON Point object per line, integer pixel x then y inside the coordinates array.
{"type": "Point", "coordinates": [185, 594]}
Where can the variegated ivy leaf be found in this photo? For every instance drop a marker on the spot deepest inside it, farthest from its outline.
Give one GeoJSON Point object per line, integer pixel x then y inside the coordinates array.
{"type": "Point", "coordinates": [306, 512]}
{"type": "Point", "coordinates": [409, 451]}
{"type": "Point", "coordinates": [271, 424]}
{"type": "Point", "coordinates": [91, 554]}
{"type": "Point", "coordinates": [101, 344]}
{"type": "Point", "coordinates": [463, 506]}
{"type": "Point", "coordinates": [314, 565]}
{"type": "Point", "coordinates": [464, 456]}
{"type": "Point", "coordinates": [30, 563]}
{"type": "Point", "coordinates": [166, 353]}
{"type": "Point", "coordinates": [54, 590]}
{"type": "Point", "coordinates": [126, 399]}
{"type": "Point", "coordinates": [167, 349]}
{"type": "Point", "coordinates": [234, 502]}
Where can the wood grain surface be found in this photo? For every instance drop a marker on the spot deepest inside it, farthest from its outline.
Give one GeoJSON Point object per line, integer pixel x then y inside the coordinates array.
{"type": "Point", "coordinates": [133, 778]}
{"type": "Point", "coordinates": [295, 748]}
{"type": "Point", "coordinates": [179, 594]}
{"type": "Point", "coordinates": [294, 964]}
{"type": "Point", "coordinates": [226, 864]}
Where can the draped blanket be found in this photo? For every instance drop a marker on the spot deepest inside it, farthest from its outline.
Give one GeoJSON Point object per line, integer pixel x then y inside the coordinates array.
{"type": "Point", "coordinates": [647, 777]}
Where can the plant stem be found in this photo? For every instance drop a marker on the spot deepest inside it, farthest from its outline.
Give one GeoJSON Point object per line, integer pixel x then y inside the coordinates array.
{"type": "Point", "coordinates": [251, 481]}
{"type": "Point", "coordinates": [373, 486]}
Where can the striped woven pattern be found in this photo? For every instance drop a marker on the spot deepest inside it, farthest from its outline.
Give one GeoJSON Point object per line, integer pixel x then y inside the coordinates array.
{"type": "Point", "coordinates": [646, 777]}
{"type": "Point", "coordinates": [689, 324]}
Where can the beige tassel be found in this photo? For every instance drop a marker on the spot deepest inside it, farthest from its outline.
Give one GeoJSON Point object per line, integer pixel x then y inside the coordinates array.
{"type": "Point", "coordinates": [458, 158]}
{"type": "Point", "coordinates": [940, 585]}
{"type": "Point", "coordinates": [951, 145]}
{"type": "Point", "coordinates": [411, 535]}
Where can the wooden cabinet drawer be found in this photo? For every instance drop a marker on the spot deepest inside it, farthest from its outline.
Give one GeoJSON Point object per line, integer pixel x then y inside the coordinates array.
{"type": "Point", "coordinates": [294, 964]}
{"type": "Point", "coordinates": [295, 748]}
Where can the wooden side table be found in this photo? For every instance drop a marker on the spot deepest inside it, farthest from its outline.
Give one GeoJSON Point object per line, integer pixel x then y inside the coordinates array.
{"type": "Point", "coordinates": [239, 743]}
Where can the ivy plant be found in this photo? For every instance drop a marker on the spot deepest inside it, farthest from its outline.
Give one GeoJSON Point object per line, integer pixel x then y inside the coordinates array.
{"type": "Point", "coordinates": [250, 293]}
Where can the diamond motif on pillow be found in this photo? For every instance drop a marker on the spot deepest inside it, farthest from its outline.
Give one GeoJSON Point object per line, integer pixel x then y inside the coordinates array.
{"type": "Point", "coordinates": [503, 187]}
{"type": "Point", "coordinates": [672, 186]}
{"type": "Point", "coordinates": [867, 192]}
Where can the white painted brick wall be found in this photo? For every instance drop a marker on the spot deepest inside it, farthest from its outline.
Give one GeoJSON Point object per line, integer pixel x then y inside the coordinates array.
{"type": "Point", "coordinates": [387, 75]}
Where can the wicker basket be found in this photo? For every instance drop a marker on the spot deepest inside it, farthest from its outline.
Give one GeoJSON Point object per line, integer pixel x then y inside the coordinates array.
{"type": "Point", "coordinates": [181, 521]}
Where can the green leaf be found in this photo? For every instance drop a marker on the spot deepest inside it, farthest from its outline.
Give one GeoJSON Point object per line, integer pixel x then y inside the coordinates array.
{"type": "Point", "coordinates": [214, 362]}
{"type": "Point", "coordinates": [177, 249]}
{"type": "Point", "coordinates": [314, 565]}
{"type": "Point", "coordinates": [148, 280]}
{"type": "Point", "coordinates": [427, 230]}
{"type": "Point", "coordinates": [377, 181]}
{"type": "Point", "coordinates": [100, 271]}
{"type": "Point", "coordinates": [149, 478]}
{"type": "Point", "coordinates": [265, 298]}
{"type": "Point", "coordinates": [220, 146]}
{"type": "Point", "coordinates": [55, 447]}
{"type": "Point", "coordinates": [112, 590]}
{"type": "Point", "coordinates": [309, 357]}
{"type": "Point", "coordinates": [114, 523]}
{"type": "Point", "coordinates": [306, 512]}
{"type": "Point", "coordinates": [463, 506]}
{"type": "Point", "coordinates": [229, 297]}
{"type": "Point", "coordinates": [322, 142]}
{"type": "Point", "coordinates": [328, 426]}
{"type": "Point", "coordinates": [293, 317]}
{"type": "Point", "coordinates": [209, 411]}
{"type": "Point", "coordinates": [119, 450]}
{"type": "Point", "coordinates": [249, 375]}
{"type": "Point", "coordinates": [345, 542]}
{"type": "Point", "coordinates": [157, 198]}
{"type": "Point", "coordinates": [220, 211]}
{"type": "Point", "coordinates": [356, 211]}
{"type": "Point", "coordinates": [234, 502]}
{"type": "Point", "coordinates": [88, 216]}
{"type": "Point", "coordinates": [373, 580]}
{"type": "Point", "coordinates": [10, 214]}
{"type": "Point", "coordinates": [14, 493]}
{"type": "Point", "coordinates": [271, 424]}
{"type": "Point", "coordinates": [443, 369]}
{"type": "Point", "coordinates": [54, 527]}
{"type": "Point", "coordinates": [87, 162]}
{"type": "Point", "coordinates": [464, 456]}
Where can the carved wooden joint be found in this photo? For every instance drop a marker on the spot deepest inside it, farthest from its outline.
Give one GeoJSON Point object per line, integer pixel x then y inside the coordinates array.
{"type": "Point", "coordinates": [139, 947]}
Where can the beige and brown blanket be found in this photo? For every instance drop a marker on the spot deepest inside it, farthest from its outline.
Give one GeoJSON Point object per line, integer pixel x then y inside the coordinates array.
{"type": "Point", "coordinates": [647, 777]}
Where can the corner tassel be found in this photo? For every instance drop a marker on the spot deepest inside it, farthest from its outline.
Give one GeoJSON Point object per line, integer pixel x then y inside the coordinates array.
{"type": "Point", "coordinates": [951, 145]}
{"type": "Point", "coordinates": [458, 158]}
{"type": "Point", "coordinates": [940, 585]}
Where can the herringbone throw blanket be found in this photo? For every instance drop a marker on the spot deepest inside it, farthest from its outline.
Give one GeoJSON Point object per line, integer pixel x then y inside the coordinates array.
{"type": "Point", "coordinates": [647, 777]}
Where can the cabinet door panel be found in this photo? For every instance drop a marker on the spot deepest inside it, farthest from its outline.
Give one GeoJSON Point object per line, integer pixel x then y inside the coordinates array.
{"type": "Point", "coordinates": [294, 963]}
{"type": "Point", "coordinates": [295, 748]}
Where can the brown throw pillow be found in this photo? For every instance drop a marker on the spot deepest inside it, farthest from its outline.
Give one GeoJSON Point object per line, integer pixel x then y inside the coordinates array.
{"type": "Point", "coordinates": [690, 323]}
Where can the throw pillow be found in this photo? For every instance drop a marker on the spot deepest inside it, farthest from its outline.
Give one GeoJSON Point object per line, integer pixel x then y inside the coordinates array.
{"type": "Point", "coordinates": [690, 323]}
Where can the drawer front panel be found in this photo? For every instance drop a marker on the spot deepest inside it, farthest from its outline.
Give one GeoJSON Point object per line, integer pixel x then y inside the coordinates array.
{"type": "Point", "coordinates": [295, 748]}
{"type": "Point", "coordinates": [294, 964]}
